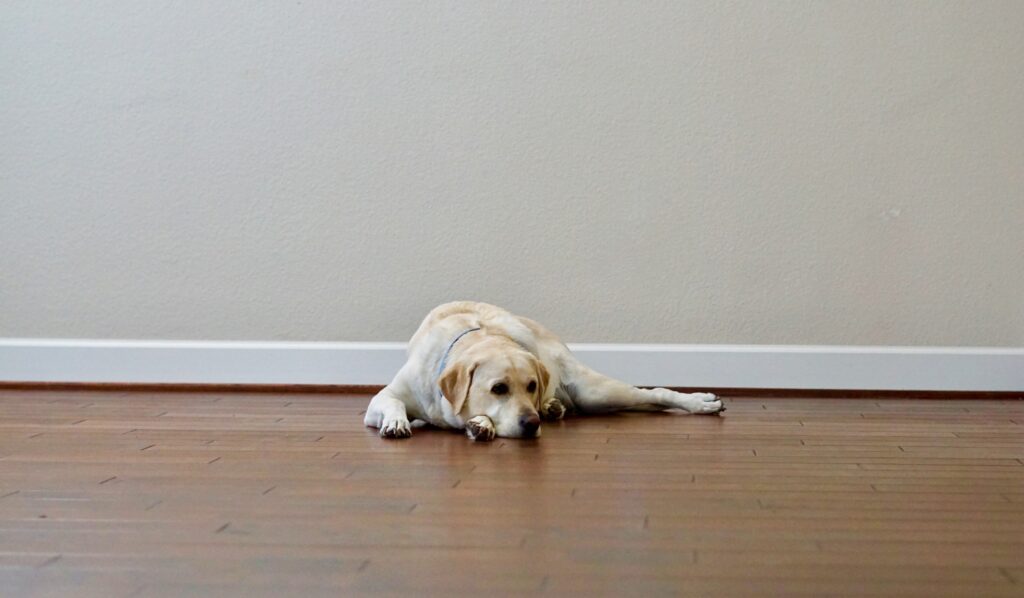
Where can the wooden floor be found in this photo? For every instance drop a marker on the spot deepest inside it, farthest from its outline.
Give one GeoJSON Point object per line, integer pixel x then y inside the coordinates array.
{"type": "Point", "coordinates": [165, 494]}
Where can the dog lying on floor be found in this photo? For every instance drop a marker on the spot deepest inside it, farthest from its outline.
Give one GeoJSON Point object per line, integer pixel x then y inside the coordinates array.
{"type": "Point", "coordinates": [477, 367]}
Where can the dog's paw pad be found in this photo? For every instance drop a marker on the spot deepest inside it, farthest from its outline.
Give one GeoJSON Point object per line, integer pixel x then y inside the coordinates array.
{"type": "Point", "coordinates": [395, 428]}
{"type": "Point", "coordinates": [480, 429]}
{"type": "Point", "coordinates": [552, 410]}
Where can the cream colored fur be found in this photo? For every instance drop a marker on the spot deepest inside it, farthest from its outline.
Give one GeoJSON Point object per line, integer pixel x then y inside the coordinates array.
{"type": "Point", "coordinates": [540, 377]}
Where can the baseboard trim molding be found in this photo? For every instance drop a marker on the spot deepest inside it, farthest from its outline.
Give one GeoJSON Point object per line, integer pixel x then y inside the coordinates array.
{"type": "Point", "coordinates": [361, 391]}
{"type": "Point", "coordinates": [363, 367]}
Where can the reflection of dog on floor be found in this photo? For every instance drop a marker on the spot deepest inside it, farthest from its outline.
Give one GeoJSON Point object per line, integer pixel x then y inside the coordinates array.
{"type": "Point", "coordinates": [477, 367]}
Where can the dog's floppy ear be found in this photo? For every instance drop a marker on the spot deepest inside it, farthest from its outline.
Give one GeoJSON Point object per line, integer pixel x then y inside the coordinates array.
{"type": "Point", "coordinates": [543, 377]}
{"type": "Point", "coordinates": [455, 382]}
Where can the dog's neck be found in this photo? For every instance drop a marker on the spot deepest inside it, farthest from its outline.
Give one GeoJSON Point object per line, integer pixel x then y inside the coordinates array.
{"type": "Point", "coordinates": [451, 345]}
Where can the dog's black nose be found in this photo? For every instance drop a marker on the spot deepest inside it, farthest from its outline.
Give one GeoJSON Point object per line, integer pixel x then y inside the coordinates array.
{"type": "Point", "coordinates": [529, 424]}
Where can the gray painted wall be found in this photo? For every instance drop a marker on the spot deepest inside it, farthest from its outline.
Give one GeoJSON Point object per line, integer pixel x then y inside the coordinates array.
{"type": "Point", "coordinates": [707, 172]}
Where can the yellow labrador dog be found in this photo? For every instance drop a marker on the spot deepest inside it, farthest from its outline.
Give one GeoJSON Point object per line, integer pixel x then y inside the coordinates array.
{"type": "Point", "coordinates": [477, 367]}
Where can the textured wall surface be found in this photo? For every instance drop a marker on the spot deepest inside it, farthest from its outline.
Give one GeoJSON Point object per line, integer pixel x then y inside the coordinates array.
{"type": "Point", "coordinates": [797, 172]}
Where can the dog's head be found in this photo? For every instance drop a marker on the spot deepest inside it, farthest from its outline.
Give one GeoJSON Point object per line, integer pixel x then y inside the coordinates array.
{"type": "Point", "coordinates": [497, 378]}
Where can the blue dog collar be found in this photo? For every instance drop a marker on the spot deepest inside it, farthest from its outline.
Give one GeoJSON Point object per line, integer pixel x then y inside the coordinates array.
{"type": "Point", "coordinates": [444, 360]}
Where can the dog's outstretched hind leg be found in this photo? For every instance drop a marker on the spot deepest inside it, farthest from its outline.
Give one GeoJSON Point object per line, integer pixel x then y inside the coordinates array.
{"type": "Point", "coordinates": [592, 392]}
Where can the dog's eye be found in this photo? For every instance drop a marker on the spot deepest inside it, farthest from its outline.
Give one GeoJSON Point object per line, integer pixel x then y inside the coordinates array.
{"type": "Point", "coordinates": [499, 388]}
{"type": "Point", "coordinates": [532, 386]}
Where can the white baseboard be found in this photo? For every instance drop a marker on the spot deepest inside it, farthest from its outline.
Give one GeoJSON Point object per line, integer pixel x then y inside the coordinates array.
{"type": "Point", "coordinates": [708, 366]}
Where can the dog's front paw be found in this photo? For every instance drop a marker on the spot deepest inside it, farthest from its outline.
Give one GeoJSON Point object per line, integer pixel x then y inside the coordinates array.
{"type": "Point", "coordinates": [702, 402]}
{"type": "Point", "coordinates": [395, 428]}
{"type": "Point", "coordinates": [552, 410]}
{"type": "Point", "coordinates": [480, 428]}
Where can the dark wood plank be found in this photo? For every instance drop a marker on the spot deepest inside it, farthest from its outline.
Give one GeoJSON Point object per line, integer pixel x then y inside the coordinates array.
{"type": "Point", "coordinates": [135, 493]}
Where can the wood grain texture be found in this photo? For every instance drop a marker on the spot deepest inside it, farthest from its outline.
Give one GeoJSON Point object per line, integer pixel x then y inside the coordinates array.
{"type": "Point", "coordinates": [187, 494]}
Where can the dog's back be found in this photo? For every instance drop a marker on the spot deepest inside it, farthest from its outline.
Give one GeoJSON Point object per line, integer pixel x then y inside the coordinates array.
{"type": "Point", "coordinates": [469, 314]}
